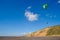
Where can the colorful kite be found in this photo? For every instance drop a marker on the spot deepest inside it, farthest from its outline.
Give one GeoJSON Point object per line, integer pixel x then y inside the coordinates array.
{"type": "Point", "coordinates": [45, 6]}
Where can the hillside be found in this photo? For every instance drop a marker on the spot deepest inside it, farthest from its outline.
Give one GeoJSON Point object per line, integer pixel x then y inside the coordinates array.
{"type": "Point", "coordinates": [49, 31]}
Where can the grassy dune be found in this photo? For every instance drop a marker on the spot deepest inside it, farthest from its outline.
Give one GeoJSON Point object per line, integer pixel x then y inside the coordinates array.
{"type": "Point", "coordinates": [49, 31]}
{"type": "Point", "coordinates": [54, 31]}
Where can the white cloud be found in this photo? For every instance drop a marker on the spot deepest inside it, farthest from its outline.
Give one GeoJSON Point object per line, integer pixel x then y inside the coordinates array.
{"type": "Point", "coordinates": [29, 7]}
{"type": "Point", "coordinates": [24, 33]}
{"type": "Point", "coordinates": [58, 1]}
{"type": "Point", "coordinates": [31, 16]}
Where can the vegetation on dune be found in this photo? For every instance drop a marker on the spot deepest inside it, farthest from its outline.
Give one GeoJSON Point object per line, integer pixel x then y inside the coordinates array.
{"type": "Point", "coordinates": [49, 31]}
{"type": "Point", "coordinates": [54, 30]}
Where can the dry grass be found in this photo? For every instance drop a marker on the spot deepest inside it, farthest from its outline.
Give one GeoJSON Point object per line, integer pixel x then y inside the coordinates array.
{"type": "Point", "coordinates": [50, 31]}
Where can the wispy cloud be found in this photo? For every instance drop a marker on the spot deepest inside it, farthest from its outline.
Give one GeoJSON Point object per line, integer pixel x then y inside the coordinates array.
{"type": "Point", "coordinates": [29, 7]}
{"type": "Point", "coordinates": [58, 1]}
{"type": "Point", "coordinates": [31, 16]}
{"type": "Point", "coordinates": [51, 16]}
{"type": "Point", "coordinates": [25, 33]}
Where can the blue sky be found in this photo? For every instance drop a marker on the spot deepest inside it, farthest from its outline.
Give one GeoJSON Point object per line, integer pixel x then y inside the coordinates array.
{"type": "Point", "coordinates": [18, 17]}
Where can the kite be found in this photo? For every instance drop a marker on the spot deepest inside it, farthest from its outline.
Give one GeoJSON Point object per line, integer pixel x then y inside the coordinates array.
{"type": "Point", "coordinates": [45, 6]}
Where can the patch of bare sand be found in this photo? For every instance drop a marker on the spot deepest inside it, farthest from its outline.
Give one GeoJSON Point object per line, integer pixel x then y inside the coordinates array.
{"type": "Point", "coordinates": [39, 33]}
